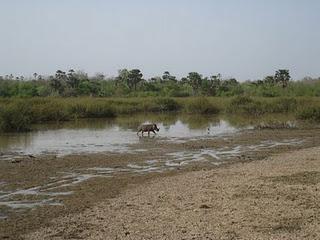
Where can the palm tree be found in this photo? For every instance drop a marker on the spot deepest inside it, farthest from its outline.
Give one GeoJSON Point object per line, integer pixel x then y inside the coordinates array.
{"type": "Point", "coordinates": [134, 77]}
{"type": "Point", "coordinates": [282, 76]}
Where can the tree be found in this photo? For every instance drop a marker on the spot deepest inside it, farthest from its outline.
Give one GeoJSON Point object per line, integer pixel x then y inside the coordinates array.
{"type": "Point", "coordinates": [72, 79]}
{"type": "Point", "coordinates": [215, 84]}
{"type": "Point", "coordinates": [9, 77]}
{"type": "Point", "coordinates": [123, 75]}
{"type": "Point", "coordinates": [184, 80]}
{"type": "Point", "coordinates": [155, 80]}
{"type": "Point", "coordinates": [168, 77]}
{"type": "Point", "coordinates": [56, 84]}
{"type": "Point", "coordinates": [60, 75]}
{"type": "Point", "coordinates": [195, 80]}
{"type": "Point", "coordinates": [228, 84]}
{"type": "Point", "coordinates": [134, 77]}
{"type": "Point", "coordinates": [282, 77]}
{"type": "Point", "coordinates": [269, 80]}
{"type": "Point", "coordinates": [216, 79]}
{"type": "Point", "coordinates": [99, 76]}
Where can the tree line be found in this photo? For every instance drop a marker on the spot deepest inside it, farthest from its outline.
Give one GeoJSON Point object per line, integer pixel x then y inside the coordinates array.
{"type": "Point", "coordinates": [132, 83]}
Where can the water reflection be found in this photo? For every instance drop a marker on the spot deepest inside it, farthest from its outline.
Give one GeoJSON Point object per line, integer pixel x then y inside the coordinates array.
{"type": "Point", "coordinates": [100, 135]}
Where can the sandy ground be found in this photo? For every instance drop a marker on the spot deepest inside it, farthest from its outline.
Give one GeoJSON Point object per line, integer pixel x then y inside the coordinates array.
{"type": "Point", "coordinates": [276, 198]}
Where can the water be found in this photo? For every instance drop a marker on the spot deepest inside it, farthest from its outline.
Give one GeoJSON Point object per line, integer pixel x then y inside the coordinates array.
{"type": "Point", "coordinates": [118, 136]}
{"type": "Point", "coordinates": [96, 135]}
{"type": "Point", "coordinates": [170, 161]}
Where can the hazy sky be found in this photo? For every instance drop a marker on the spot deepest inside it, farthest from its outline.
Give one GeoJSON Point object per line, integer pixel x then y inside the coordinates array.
{"type": "Point", "coordinates": [245, 39]}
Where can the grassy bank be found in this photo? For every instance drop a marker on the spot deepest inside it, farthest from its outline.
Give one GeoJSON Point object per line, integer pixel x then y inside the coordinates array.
{"type": "Point", "coordinates": [17, 114]}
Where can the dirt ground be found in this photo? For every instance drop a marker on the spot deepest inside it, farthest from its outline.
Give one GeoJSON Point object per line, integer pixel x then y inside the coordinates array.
{"type": "Point", "coordinates": [277, 198]}
{"type": "Point", "coordinates": [242, 199]}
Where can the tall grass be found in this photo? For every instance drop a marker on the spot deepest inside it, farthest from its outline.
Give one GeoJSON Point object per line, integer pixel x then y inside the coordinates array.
{"type": "Point", "coordinates": [15, 116]}
{"type": "Point", "coordinates": [248, 105]}
{"type": "Point", "coordinates": [201, 105]}
{"type": "Point", "coordinates": [311, 113]}
{"type": "Point", "coordinates": [259, 106]}
{"type": "Point", "coordinates": [19, 114]}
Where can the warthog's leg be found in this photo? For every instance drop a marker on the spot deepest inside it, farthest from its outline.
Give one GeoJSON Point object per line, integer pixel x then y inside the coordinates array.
{"type": "Point", "coordinates": [153, 131]}
{"type": "Point", "coordinates": [148, 133]}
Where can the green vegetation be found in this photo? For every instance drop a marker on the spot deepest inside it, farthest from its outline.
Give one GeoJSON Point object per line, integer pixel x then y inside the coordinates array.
{"type": "Point", "coordinates": [130, 83]}
{"type": "Point", "coordinates": [18, 114]}
{"type": "Point", "coordinates": [201, 105]}
{"type": "Point", "coordinates": [247, 105]}
{"type": "Point", "coordinates": [73, 95]}
{"type": "Point", "coordinates": [15, 117]}
{"type": "Point", "coordinates": [309, 113]}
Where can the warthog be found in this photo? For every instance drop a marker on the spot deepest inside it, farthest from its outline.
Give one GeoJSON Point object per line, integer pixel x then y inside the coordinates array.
{"type": "Point", "coordinates": [148, 128]}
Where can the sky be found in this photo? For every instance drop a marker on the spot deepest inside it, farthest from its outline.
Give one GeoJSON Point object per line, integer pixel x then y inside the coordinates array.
{"type": "Point", "coordinates": [244, 39]}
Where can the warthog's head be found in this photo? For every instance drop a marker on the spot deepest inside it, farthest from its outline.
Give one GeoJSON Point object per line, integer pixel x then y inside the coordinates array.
{"type": "Point", "coordinates": [156, 128]}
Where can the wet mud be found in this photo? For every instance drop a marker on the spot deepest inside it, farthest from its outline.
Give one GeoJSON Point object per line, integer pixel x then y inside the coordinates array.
{"type": "Point", "coordinates": [38, 188]}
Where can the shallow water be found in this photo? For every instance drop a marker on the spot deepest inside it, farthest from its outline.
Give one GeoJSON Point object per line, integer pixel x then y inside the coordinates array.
{"type": "Point", "coordinates": [99, 135]}
{"type": "Point", "coordinates": [118, 135]}
{"type": "Point", "coordinates": [168, 162]}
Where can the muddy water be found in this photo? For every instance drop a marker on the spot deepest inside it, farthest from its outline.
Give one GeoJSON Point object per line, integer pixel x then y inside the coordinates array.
{"type": "Point", "coordinates": [163, 152]}
{"type": "Point", "coordinates": [101, 135]}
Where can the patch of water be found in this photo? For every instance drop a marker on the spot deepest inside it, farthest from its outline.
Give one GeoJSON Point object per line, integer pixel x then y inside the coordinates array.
{"type": "Point", "coordinates": [271, 144]}
{"type": "Point", "coordinates": [6, 198]}
{"type": "Point", "coordinates": [29, 204]}
{"type": "Point", "coordinates": [69, 179]}
{"type": "Point", "coordinates": [111, 138]}
{"type": "Point", "coordinates": [49, 192]}
{"type": "Point", "coordinates": [182, 133]}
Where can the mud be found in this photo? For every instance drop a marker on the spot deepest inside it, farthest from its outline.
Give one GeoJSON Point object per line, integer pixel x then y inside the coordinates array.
{"type": "Point", "coordinates": [34, 191]}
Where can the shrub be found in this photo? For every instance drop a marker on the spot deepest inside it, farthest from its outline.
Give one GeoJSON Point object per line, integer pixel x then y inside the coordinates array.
{"type": "Point", "coordinates": [15, 117]}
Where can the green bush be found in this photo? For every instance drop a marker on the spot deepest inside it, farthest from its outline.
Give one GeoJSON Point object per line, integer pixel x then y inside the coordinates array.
{"type": "Point", "coordinates": [15, 117]}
